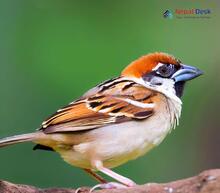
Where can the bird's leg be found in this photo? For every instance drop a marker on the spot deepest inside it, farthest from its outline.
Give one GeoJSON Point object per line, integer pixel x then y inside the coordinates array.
{"type": "Point", "coordinates": [123, 180]}
{"type": "Point", "coordinates": [118, 177]}
{"type": "Point", "coordinates": [96, 176]}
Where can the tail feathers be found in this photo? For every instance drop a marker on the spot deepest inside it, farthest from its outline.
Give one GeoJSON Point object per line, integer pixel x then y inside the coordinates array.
{"type": "Point", "coordinates": [17, 139]}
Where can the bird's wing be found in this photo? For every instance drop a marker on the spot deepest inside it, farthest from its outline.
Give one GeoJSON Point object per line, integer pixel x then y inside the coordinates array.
{"type": "Point", "coordinates": [114, 101]}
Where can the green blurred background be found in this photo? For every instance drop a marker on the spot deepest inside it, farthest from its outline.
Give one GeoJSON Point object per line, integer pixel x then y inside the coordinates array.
{"type": "Point", "coordinates": [52, 51]}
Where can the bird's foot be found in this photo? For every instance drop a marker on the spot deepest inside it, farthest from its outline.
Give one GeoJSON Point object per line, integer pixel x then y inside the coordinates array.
{"type": "Point", "coordinates": [81, 190]}
{"type": "Point", "coordinates": [111, 185]}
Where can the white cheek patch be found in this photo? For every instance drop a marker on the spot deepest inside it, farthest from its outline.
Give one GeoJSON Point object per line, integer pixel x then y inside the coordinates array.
{"type": "Point", "coordinates": [168, 84]}
{"type": "Point", "coordinates": [157, 66]}
{"type": "Point", "coordinates": [156, 81]}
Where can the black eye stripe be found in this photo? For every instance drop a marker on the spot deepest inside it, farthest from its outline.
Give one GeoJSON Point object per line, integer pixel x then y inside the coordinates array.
{"type": "Point", "coordinates": [160, 72]}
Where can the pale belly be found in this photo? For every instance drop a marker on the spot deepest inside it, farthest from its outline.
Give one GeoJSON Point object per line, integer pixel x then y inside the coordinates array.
{"type": "Point", "coordinates": [117, 144]}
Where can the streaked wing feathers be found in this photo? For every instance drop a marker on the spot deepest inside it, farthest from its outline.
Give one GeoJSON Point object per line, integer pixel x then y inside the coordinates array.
{"type": "Point", "coordinates": [115, 101]}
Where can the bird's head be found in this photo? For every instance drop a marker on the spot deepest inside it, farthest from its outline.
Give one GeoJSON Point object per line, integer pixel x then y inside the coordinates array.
{"type": "Point", "coordinates": [161, 72]}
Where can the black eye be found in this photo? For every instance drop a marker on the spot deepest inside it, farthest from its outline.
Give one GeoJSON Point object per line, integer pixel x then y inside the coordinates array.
{"type": "Point", "coordinates": [166, 70]}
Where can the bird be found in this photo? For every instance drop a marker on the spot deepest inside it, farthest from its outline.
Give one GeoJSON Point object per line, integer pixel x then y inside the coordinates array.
{"type": "Point", "coordinates": [118, 120]}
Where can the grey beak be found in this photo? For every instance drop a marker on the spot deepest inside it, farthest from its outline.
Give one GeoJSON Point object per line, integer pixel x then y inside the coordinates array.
{"type": "Point", "coordinates": [186, 73]}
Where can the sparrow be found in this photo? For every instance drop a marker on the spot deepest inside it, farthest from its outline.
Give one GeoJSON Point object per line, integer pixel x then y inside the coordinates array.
{"type": "Point", "coordinates": [118, 120]}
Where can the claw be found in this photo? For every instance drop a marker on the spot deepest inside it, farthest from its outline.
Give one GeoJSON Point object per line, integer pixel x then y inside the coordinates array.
{"type": "Point", "coordinates": [79, 190]}
{"type": "Point", "coordinates": [109, 185]}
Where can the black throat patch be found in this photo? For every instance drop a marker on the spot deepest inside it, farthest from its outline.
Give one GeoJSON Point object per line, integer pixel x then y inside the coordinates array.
{"type": "Point", "coordinates": [179, 87]}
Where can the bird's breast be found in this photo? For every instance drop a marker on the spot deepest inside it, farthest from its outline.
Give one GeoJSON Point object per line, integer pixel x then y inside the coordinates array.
{"type": "Point", "coordinates": [116, 144]}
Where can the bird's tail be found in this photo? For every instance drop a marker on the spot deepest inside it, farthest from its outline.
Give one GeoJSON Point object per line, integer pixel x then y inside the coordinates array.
{"type": "Point", "coordinates": [18, 139]}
